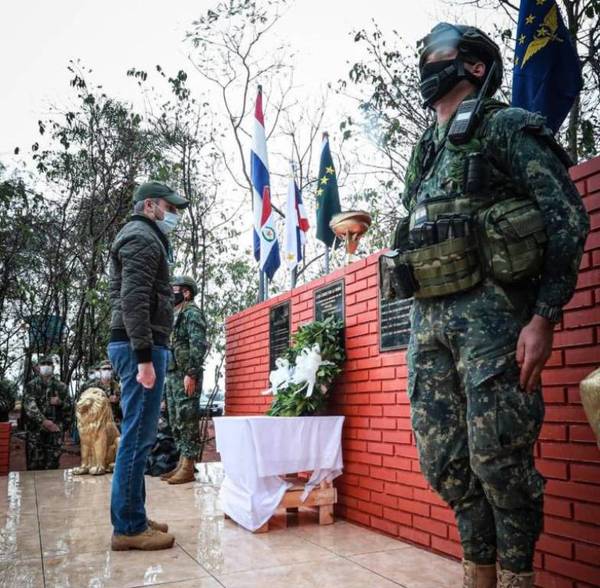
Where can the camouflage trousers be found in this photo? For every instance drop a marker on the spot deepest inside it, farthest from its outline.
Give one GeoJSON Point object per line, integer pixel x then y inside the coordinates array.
{"type": "Point", "coordinates": [474, 427]}
{"type": "Point", "coordinates": [43, 450]}
{"type": "Point", "coordinates": [183, 415]}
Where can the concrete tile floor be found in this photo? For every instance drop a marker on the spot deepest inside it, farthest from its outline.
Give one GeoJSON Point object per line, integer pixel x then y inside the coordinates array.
{"type": "Point", "coordinates": [55, 532]}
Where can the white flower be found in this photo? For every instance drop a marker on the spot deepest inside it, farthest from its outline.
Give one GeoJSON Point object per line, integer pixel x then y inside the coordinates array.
{"type": "Point", "coordinates": [308, 363]}
{"type": "Point", "coordinates": [281, 377]}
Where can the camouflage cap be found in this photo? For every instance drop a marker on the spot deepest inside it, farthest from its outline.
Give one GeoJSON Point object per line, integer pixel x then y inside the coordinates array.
{"type": "Point", "coordinates": [187, 281]}
{"type": "Point", "coordinates": [105, 365]}
{"type": "Point", "coordinates": [46, 360]}
{"type": "Point", "coordinates": [158, 190]}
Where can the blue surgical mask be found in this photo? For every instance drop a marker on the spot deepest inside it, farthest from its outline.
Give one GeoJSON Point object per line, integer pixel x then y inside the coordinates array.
{"type": "Point", "coordinates": [168, 223]}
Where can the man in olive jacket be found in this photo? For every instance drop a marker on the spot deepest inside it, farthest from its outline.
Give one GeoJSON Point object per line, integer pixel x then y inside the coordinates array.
{"type": "Point", "coordinates": [141, 323]}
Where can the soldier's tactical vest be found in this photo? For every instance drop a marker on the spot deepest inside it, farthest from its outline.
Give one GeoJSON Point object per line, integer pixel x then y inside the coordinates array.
{"type": "Point", "coordinates": [477, 221]}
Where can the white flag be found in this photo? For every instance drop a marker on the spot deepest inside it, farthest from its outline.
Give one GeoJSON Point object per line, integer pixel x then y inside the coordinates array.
{"type": "Point", "coordinates": [292, 247]}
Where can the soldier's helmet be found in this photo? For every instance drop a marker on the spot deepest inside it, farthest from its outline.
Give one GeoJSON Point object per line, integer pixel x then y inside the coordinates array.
{"type": "Point", "coordinates": [46, 360]}
{"type": "Point", "coordinates": [470, 42]}
{"type": "Point", "coordinates": [186, 281]}
{"type": "Point", "coordinates": [105, 365]}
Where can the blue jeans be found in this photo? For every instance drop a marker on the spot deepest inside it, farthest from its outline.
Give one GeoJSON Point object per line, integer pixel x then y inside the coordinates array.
{"type": "Point", "coordinates": [141, 409]}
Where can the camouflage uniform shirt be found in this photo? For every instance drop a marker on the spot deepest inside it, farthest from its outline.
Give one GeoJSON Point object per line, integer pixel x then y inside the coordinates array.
{"type": "Point", "coordinates": [7, 399]}
{"type": "Point", "coordinates": [36, 402]}
{"type": "Point", "coordinates": [188, 341]}
{"type": "Point", "coordinates": [521, 160]}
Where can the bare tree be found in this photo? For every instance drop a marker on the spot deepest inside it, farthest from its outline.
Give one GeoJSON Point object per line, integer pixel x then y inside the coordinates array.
{"type": "Point", "coordinates": [582, 132]}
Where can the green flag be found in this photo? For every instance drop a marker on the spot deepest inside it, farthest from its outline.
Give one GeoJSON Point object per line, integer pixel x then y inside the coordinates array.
{"type": "Point", "coordinates": [328, 199]}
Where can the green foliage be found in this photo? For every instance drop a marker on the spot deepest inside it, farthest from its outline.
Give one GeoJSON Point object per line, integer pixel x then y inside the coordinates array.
{"type": "Point", "coordinates": [292, 400]}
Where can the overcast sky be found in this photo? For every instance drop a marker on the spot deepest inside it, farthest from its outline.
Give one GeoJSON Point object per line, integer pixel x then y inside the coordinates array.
{"type": "Point", "coordinates": [39, 37]}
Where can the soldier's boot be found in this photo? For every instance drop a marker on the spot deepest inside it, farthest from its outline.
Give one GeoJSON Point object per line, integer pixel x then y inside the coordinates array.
{"type": "Point", "coordinates": [185, 473]}
{"type": "Point", "coordinates": [172, 472]}
{"type": "Point", "coordinates": [478, 576]}
{"type": "Point", "coordinates": [148, 540]}
{"type": "Point", "coordinates": [507, 579]}
{"type": "Point", "coordinates": [158, 526]}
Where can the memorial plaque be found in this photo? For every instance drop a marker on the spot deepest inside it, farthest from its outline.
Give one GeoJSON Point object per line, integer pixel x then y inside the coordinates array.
{"type": "Point", "coordinates": [279, 332]}
{"type": "Point", "coordinates": [329, 301]}
{"type": "Point", "coordinates": [394, 324]}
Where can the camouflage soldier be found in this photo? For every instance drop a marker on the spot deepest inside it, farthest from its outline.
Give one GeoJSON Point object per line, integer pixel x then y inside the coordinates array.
{"type": "Point", "coordinates": [105, 381]}
{"type": "Point", "coordinates": [47, 407]}
{"type": "Point", "coordinates": [7, 399]}
{"type": "Point", "coordinates": [491, 250]}
{"type": "Point", "coordinates": [184, 379]}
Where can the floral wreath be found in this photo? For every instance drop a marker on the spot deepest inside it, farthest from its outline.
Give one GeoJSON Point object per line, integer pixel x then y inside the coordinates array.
{"type": "Point", "coordinates": [305, 373]}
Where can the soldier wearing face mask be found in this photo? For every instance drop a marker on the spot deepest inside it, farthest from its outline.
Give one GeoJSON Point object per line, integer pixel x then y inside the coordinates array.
{"type": "Point", "coordinates": [490, 250]}
{"type": "Point", "coordinates": [105, 380]}
{"type": "Point", "coordinates": [47, 407]}
{"type": "Point", "coordinates": [184, 380]}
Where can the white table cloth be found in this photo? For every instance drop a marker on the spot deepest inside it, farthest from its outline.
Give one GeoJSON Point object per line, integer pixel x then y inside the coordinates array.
{"type": "Point", "coordinates": [257, 450]}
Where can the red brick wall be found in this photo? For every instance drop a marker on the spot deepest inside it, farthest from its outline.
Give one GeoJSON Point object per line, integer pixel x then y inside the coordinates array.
{"type": "Point", "coordinates": [4, 448]}
{"type": "Point", "coordinates": [382, 486]}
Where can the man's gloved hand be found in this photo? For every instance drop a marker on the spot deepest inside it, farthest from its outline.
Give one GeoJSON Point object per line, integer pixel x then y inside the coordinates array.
{"type": "Point", "coordinates": [146, 375]}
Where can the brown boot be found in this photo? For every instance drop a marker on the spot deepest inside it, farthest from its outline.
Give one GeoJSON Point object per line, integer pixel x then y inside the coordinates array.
{"type": "Point", "coordinates": [185, 473]}
{"type": "Point", "coordinates": [507, 579]}
{"type": "Point", "coordinates": [158, 526]}
{"type": "Point", "coordinates": [478, 576]}
{"type": "Point", "coordinates": [164, 477]}
{"type": "Point", "coordinates": [148, 540]}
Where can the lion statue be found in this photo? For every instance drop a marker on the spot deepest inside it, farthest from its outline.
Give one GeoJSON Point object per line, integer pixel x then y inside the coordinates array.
{"type": "Point", "coordinates": [98, 433]}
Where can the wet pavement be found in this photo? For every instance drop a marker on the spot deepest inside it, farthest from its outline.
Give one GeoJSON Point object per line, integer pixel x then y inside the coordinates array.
{"type": "Point", "coordinates": [55, 532]}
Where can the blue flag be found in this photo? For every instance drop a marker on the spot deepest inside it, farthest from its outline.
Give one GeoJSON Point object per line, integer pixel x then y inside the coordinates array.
{"type": "Point", "coordinates": [547, 72]}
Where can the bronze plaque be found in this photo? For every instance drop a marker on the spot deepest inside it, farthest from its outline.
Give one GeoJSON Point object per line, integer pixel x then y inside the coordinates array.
{"type": "Point", "coordinates": [329, 301]}
{"type": "Point", "coordinates": [279, 332]}
{"type": "Point", "coordinates": [394, 323]}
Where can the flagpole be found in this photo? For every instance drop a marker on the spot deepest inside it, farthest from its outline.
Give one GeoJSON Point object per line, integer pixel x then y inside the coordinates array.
{"type": "Point", "coordinates": [261, 285]}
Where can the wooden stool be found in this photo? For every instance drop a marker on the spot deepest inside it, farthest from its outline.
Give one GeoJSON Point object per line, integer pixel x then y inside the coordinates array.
{"type": "Point", "coordinates": [322, 498]}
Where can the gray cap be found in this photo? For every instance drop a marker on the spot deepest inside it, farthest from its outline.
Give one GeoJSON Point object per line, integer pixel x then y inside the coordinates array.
{"type": "Point", "coordinates": [158, 190]}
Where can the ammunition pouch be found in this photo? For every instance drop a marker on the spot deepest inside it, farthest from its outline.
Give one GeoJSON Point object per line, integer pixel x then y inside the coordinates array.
{"type": "Point", "coordinates": [512, 239]}
{"type": "Point", "coordinates": [396, 279]}
{"type": "Point", "coordinates": [445, 268]}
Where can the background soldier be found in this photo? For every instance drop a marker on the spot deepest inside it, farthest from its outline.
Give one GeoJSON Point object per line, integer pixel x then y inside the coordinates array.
{"type": "Point", "coordinates": [7, 399]}
{"type": "Point", "coordinates": [47, 407]}
{"type": "Point", "coordinates": [492, 247]}
{"type": "Point", "coordinates": [109, 384]}
{"type": "Point", "coordinates": [184, 379]}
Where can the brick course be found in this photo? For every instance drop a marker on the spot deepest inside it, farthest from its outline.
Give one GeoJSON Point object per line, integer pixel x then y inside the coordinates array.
{"type": "Point", "coordinates": [382, 486]}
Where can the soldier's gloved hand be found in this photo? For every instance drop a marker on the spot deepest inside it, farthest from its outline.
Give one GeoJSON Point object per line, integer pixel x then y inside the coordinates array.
{"type": "Point", "coordinates": [50, 426]}
{"type": "Point", "coordinates": [533, 350]}
{"type": "Point", "coordinates": [189, 385]}
{"type": "Point", "coordinates": [146, 375]}
{"type": "Point", "coordinates": [55, 401]}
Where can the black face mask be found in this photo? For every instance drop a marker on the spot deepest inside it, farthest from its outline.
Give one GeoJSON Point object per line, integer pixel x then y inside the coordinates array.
{"type": "Point", "coordinates": [178, 298]}
{"type": "Point", "coordinates": [439, 77]}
